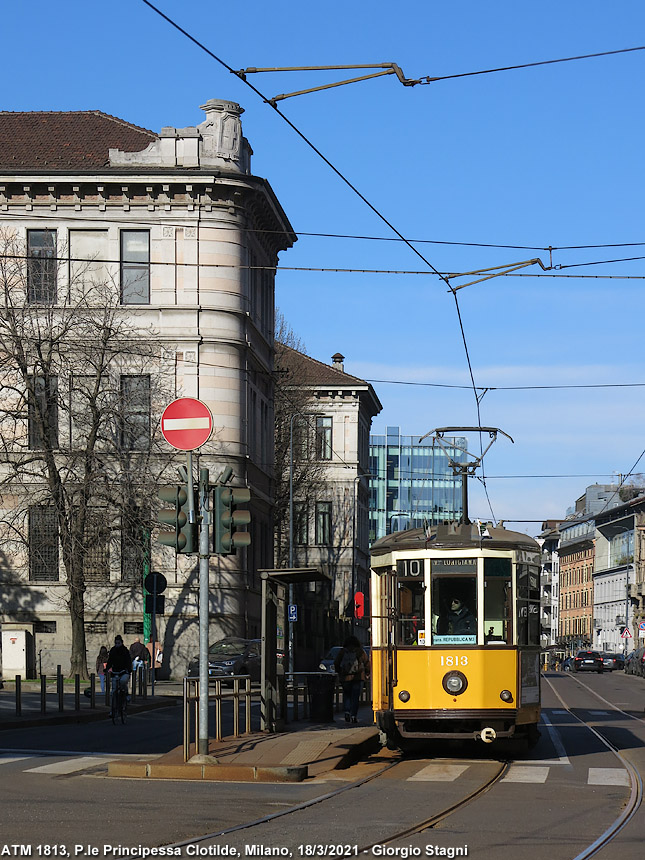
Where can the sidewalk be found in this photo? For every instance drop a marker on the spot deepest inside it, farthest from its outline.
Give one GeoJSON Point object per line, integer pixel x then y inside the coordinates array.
{"type": "Point", "coordinates": [304, 751]}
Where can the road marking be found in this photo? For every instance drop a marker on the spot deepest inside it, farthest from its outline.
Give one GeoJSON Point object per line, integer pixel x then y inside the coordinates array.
{"type": "Point", "coordinates": [438, 773]}
{"type": "Point", "coordinates": [69, 766]}
{"type": "Point", "coordinates": [7, 759]}
{"type": "Point", "coordinates": [599, 713]}
{"type": "Point", "coordinates": [608, 776]}
{"type": "Point", "coordinates": [529, 773]}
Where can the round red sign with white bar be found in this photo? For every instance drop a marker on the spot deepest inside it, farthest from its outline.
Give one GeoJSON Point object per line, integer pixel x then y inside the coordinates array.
{"type": "Point", "coordinates": [186, 423]}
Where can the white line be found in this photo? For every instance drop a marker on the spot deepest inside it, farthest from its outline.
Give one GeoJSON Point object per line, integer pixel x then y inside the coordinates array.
{"type": "Point", "coordinates": [556, 740]}
{"type": "Point", "coordinates": [608, 776]}
{"type": "Point", "coordinates": [438, 773]}
{"type": "Point", "coordinates": [519, 773]}
{"type": "Point", "coordinates": [11, 758]}
{"type": "Point", "coordinates": [69, 766]}
{"type": "Point", "coordinates": [199, 423]}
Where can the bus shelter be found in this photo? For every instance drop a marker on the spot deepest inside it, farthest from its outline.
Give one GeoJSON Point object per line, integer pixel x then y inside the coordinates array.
{"type": "Point", "coordinates": [276, 640]}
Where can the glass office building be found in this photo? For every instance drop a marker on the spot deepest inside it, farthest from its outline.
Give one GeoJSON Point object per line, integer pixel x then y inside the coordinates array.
{"type": "Point", "coordinates": [412, 483]}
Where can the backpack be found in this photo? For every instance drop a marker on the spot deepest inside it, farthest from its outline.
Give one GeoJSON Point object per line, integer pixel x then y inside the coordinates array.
{"type": "Point", "coordinates": [349, 664]}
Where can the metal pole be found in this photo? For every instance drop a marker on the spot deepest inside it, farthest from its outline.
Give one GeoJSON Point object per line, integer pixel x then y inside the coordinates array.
{"type": "Point", "coordinates": [154, 634]}
{"type": "Point", "coordinates": [202, 741]}
{"type": "Point", "coordinates": [290, 661]}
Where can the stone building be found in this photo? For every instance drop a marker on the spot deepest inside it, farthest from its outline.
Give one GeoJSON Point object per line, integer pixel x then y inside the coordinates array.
{"type": "Point", "coordinates": [189, 239]}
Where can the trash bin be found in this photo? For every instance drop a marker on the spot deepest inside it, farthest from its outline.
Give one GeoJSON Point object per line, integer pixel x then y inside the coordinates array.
{"type": "Point", "coordinates": [320, 689]}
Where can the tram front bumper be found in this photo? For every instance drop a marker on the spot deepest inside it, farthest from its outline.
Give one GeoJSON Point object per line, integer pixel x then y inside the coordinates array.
{"type": "Point", "coordinates": [447, 725]}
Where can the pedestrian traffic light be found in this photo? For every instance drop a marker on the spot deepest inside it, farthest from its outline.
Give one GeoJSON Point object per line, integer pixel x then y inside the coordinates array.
{"type": "Point", "coordinates": [227, 519]}
{"type": "Point", "coordinates": [183, 534]}
{"type": "Point", "coordinates": [359, 604]}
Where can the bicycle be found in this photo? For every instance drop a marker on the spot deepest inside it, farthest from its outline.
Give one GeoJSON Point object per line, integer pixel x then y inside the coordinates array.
{"type": "Point", "coordinates": [119, 706]}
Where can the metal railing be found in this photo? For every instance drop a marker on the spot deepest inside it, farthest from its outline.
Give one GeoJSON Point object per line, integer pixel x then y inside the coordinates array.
{"type": "Point", "coordinates": [218, 696]}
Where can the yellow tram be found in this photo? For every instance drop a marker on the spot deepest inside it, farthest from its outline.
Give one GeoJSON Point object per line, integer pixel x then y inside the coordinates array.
{"type": "Point", "coordinates": [456, 634]}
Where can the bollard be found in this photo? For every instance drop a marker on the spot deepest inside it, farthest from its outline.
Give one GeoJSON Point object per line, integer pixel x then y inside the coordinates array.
{"type": "Point", "coordinates": [92, 690]}
{"type": "Point", "coordinates": [18, 696]}
{"type": "Point", "coordinates": [43, 694]}
{"type": "Point", "coordinates": [77, 692]}
{"type": "Point", "coordinates": [59, 688]}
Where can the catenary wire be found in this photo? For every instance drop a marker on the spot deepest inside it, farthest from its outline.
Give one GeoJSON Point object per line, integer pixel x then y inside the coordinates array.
{"type": "Point", "coordinates": [319, 153]}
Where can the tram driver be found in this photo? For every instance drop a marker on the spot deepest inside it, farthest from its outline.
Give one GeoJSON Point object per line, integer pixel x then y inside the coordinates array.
{"type": "Point", "coordinates": [459, 620]}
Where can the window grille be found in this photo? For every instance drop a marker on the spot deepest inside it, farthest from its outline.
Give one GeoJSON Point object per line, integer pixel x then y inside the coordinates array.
{"type": "Point", "coordinates": [43, 544]}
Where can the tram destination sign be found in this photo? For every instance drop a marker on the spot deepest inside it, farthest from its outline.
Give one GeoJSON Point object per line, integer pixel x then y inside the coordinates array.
{"type": "Point", "coordinates": [454, 565]}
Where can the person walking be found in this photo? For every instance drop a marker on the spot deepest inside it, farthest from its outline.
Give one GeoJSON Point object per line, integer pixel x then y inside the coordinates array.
{"type": "Point", "coordinates": [101, 662]}
{"type": "Point", "coordinates": [353, 668]}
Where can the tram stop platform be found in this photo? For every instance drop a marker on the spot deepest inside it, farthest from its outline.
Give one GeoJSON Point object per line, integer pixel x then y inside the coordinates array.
{"type": "Point", "coordinates": [308, 750]}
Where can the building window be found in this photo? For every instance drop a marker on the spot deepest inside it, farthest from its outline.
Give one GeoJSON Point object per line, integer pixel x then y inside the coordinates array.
{"type": "Point", "coordinates": [323, 437]}
{"type": "Point", "coordinates": [41, 266]}
{"type": "Point", "coordinates": [135, 267]}
{"type": "Point", "coordinates": [135, 546]}
{"type": "Point", "coordinates": [133, 628]}
{"type": "Point", "coordinates": [44, 626]}
{"type": "Point", "coordinates": [95, 627]}
{"type": "Point", "coordinates": [97, 548]}
{"type": "Point", "coordinates": [323, 523]}
{"type": "Point", "coordinates": [43, 544]}
{"type": "Point", "coordinates": [135, 413]}
{"type": "Point", "coordinates": [88, 253]}
{"type": "Point", "coordinates": [42, 412]}
{"type": "Point", "coordinates": [300, 524]}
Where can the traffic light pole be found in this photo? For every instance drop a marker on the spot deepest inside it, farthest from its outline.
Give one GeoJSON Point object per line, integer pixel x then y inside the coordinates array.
{"type": "Point", "coordinates": [202, 741]}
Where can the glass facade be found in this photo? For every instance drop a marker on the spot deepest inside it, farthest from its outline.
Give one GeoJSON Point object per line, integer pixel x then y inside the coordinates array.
{"type": "Point", "coordinates": [412, 483]}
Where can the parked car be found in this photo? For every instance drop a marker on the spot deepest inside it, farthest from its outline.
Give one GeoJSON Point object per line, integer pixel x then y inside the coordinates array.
{"type": "Point", "coordinates": [635, 663]}
{"type": "Point", "coordinates": [588, 661]}
{"type": "Point", "coordinates": [613, 661]}
{"type": "Point", "coordinates": [567, 664]}
{"type": "Point", "coordinates": [231, 656]}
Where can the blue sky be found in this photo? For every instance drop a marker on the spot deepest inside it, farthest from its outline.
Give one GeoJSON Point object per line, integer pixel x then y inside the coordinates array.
{"type": "Point", "coordinates": [538, 157]}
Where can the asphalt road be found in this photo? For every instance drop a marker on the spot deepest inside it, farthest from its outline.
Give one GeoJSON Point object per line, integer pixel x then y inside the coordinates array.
{"type": "Point", "coordinates": [555, 802]}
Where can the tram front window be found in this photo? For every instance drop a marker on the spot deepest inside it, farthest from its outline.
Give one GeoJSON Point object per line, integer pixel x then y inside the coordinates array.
{"type": "Point", "coordinates": [454, 610]}
{"type": "Point", "coordinates": [411, 613]}
{"type": "Point", "coordinates": [497, 601]}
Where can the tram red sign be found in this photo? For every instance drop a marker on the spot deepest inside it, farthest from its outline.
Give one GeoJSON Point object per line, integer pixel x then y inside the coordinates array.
{"type": "Point", "coordinates": [186, 423]}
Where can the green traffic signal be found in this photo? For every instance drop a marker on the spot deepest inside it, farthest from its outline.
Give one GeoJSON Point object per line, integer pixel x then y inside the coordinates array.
{"type": "Point", "coordinates": [183, 534]}
{"type": "Point", "coordinates": [227, 519]}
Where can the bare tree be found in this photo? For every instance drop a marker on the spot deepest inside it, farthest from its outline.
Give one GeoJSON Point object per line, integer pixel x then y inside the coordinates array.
{"type": "Point", "coordinates": [80, 394]}
{"type": "Point", "coordinates": [296, 467]}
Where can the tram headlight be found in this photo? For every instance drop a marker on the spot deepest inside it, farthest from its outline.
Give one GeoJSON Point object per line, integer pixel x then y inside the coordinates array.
{"type": "Point", "coordinates": [454, 683]}
{"type": "Point", "coordinates": [404, 696]}
{"type": "Point", "coordinates": [506, 696]}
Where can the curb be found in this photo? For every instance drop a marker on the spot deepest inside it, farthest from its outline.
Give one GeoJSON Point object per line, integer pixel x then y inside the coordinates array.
{"type": "Point", "coordinates": [206, 772]}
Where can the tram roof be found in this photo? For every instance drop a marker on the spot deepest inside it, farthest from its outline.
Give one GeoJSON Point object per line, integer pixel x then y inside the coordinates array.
{"type": "Point", "coordinates": [454, 536]}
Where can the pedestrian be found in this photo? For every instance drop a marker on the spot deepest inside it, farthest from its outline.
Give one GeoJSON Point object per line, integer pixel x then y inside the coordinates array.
{"type": "Point", "coordinates": [101, 662]}
{"type": "Point", "coordinates": [139, 655]}
{"type": "Point", "coordinates": [353, 667]}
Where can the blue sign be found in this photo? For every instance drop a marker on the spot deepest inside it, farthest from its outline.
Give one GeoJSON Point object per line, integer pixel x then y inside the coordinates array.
{"type": "Point", "coordinates": [293, 612]}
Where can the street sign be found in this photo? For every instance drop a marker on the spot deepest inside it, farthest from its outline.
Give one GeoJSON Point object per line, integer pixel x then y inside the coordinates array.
{"type": "Point", "coordinates": [155, 582]}
{"type": "Point", "coordinates": [627, 633]}
{"type": "Point", "coordinates": [293, 612]}
{"type": "Point", "coordinates": [641, 626]}
{"type": "Point", "coordinates": [186, 423]}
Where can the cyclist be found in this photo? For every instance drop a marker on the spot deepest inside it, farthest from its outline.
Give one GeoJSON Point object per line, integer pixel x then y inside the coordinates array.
{"type": "Point", "coordinates": [119, 663]}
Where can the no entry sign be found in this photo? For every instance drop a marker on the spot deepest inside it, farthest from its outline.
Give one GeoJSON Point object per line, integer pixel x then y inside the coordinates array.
{"type": "Point", "coordinates": [186, 423]}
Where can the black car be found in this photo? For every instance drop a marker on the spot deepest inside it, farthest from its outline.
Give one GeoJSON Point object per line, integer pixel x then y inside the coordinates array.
{"type": "Point", "coordinates": [231, 656]}
{"type": "Point", "coordinates": [635, 663]}
{"type": "Point", "coordinates": [588, 661]}
{"type": "Point", "coordinates": [613, 661]}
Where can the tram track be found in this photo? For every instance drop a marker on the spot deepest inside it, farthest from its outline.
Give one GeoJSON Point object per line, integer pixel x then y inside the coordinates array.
{"type": "Point", "coordinates": [636, 783]}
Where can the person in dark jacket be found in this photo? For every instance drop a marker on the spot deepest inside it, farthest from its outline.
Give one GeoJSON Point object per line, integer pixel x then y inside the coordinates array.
{"type": "Point", "coordinates": [353, 667]}
{"type": "Point", "coordinates": [119, 663]}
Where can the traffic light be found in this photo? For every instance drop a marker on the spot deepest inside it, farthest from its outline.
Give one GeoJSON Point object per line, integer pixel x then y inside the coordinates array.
{"type": "Point", "coordinates": [183, 534]}
{"type": "Point", "coordinates": [227, 519]}
{"type": "Point", "coordinates": [359, 604]}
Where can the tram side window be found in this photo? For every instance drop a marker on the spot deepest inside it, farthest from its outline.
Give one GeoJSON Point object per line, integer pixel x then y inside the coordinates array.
{"type": "Point", "coordinates": [454, 610]}
{"type": "Point", "coordinates": [498, 601]}
{"type": "Point", "coordinates": [528, 605]}
{"type": "Point", "coordinates": [410, 628]}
